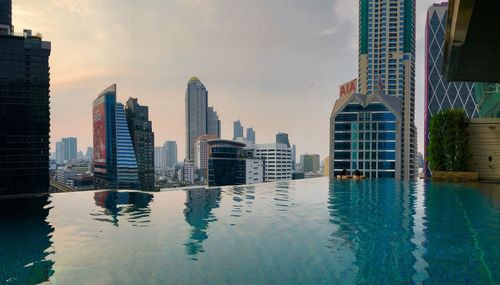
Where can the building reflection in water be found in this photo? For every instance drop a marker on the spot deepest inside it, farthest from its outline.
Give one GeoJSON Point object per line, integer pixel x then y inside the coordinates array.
{"type": "Point", "coordinates": [25, 241]}
{"type": "Point", "coordinates": [198, 214]}
{"type": "Point", "coordinates": [243, 197]}
{"type": "Point", "coordinates": [282, 199]}
{"type": "Point", "coordinates": [131, 206]}
{"type": "Point", "coordinates": [374, 220]}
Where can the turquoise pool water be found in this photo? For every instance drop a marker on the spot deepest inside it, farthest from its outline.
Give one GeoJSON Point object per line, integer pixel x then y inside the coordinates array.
{"type": "Point", "coordinates": [300, 232]}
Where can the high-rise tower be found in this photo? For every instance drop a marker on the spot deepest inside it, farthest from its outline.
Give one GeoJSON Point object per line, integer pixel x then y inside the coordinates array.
{"type": "Point", "coordinates": [24, 109]}
{"type": "Point", "coordinates": [237, 130]}
{"type": "Point", "coordinates": [213, 122]}
{"type": "Point", "coordinates": [196, 114]}
{"type": "Point", "coordinates": [387, 64]}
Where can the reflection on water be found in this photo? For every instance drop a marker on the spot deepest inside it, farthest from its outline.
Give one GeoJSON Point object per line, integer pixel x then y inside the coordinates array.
{"type": "Point", "coordinates": [374, 220]}
{"type": "Point", "coordinates": [132, 206]}
{"type": "Point", "coordinates": [242, 200]}
{"type": "Point", "coordinates": [282, 196]}
{"type": "Point", "coordinates": [198, 214]}
{"type": "Point", "coordinates": [25, 241]}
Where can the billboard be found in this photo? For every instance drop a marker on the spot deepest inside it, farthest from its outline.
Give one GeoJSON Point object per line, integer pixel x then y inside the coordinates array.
{"type": "Point", "coordinates": [349, 88]}
{"type": "Point", "coordinates": [99, 119]}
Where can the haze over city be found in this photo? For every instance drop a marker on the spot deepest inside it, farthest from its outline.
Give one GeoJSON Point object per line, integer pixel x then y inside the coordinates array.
{"type": "Point", "coordinates": [276, 66]}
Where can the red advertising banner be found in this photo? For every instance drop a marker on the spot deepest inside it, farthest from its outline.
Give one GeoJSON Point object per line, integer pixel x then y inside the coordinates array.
{"type": "Point", "coordinates": [99, 117]}
{"type": "Point", "coordinates": [349, 88]}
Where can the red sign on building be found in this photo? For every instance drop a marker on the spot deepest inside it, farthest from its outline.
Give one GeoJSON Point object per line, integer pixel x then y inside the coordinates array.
{"type": "Point", "coordinates": [349, 88]}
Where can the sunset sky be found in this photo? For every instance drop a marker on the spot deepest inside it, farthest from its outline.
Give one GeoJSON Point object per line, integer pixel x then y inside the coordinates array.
{"type": "Point", "coordinates": [275, 65]}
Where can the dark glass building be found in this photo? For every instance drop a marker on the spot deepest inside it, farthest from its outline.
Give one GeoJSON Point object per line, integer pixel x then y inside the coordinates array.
{"type": "Point", "coordinates": [141, 132]}
{"type": "Point", "coordinates": [24, 109]}
{"type": "Point", "coordinates": [282, 138]}
{"type": "Point", "coordinates": [226, 166]}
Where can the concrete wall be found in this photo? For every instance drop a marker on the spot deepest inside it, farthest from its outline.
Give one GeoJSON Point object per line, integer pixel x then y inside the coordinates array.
{"type": "Point", "coordinates": [484, 144]}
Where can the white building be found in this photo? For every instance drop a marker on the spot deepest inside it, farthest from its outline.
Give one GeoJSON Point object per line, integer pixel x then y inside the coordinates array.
{"type": "Point", "coordinates": [186, 173]}
{"type": "Point", "coordinates": [277, 161]}
{"type": "Point", "coordinates": [254, 170]}
{"type": "Point", "coordinates": [160, 159]}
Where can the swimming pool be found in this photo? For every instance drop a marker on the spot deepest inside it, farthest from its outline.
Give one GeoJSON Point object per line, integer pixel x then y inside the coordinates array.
{"type": "Point", "coordinates": [297, 232]}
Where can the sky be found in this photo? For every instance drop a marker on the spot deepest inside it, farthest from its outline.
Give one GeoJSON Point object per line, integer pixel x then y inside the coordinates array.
{"type": "Point", "coordinates": [275, 65]}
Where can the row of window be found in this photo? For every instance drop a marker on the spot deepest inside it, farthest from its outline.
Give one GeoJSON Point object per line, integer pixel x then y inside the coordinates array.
{"type": "Point", "coordinates": [381, 155]}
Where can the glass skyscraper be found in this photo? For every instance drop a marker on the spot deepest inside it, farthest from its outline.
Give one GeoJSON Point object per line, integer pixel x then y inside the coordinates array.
{"type": "Point", "coordinates": [115, 165]}
{"type": "Point", "coordinates": [237, 130]}
{"type": "Point", "coordinates": [387, 64]}
{"type": "Point", "coordinates": [196, 114]}
{"type": "Point", "coordinates": [365, 135]}
{"type": "Point", "coordinates": [24, 109]}
{"type": "Point", "coordinates": [213, 122]}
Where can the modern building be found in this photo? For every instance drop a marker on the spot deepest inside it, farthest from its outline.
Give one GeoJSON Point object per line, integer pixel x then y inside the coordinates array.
{"type": "Point", "coordinates": [115, 165]}
{"type": "Point", "coordinates": [186, 173]}
{"type": "Point", "coordinates": [89, 154]}
{"type": "Point", "coordinates": [59, 153]}
{"type": "Point", "coordinates": [310, 162]}
{"type": "Point", "coordinates": [196, 114]}
{"type": "Point", "coordinates": [365, 135]}
{"type": "Point", "coordinates": [326, 166]}
{"type": "Point", "coordinates": [237, 130]}
{"type": "Point", "coordinates": [487, 97]}
{"type": "Point", "coordinates": [440, 94]}
{"type": "Point", "coordinates": [282, 138]}
{"type": "Point", "coordinates": [170, 153]}
{"type": "Point", "coordinates": [201, 154]}
{"type": "Point", "coordinates": [160, 159]}
{"type": "Point", "coordinates": [251, 135]}
{"type": "Point", "coordinates": [70, 147]}
{"type": "Point", "coordinates": [225, 164]}
{"type": "Point", "coordinates": [387, 65]}
{"type": "Point", "coordinates": [294, 157]}
{"type": "Point", "coordinates": [141, 133]}
{"type": "Point", "coordinates": [277, 160]}
{"type": "Point", "coordinates": [24, 109]}
{"type": "Point", "coordinates": [213, 122]}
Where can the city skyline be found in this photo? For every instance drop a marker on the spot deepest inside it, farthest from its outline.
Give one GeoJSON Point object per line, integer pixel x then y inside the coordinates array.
{"type": "Point", "coordinates": [309, 83]}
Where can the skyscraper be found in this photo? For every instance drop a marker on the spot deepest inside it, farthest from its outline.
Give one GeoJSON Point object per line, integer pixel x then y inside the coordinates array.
{"type": "Point", "coordinates": [89, 154]}
{"type": "Point", "coordinates": [170, 153]}
{"type": "Point", "coordinates": [282, 138]}
{"type": "Point", "coordinates": [251, 135]}
{"type": "Point", "coordinates": [237, 130]}
{"type": "Point", "coordinates": [387, 64]}
{"type": "Point", "coordinates": [59, 153]}
{"type": "Point", "coordinates": [70, 148]}
{"type": "Point", "coordinates": [440, 94]}
{"type": "Point", "coordinates": [115, 165]}
{"type": "Point", "coordinates": [196, 114]}
{"type": "Point", "coordinates": [141, 132]}
{"type": "Point", "coordinates": [24, 109]}
{"type": "Point", "coordinates": [310, 162]}
{"type": "Point", "coordinates": [160, 160]}
{"type": "Point", "coordinates": [213, 122]}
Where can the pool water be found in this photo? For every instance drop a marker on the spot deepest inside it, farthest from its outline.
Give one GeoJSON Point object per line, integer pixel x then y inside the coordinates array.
{"type": "Point", "coordinates": [297, 232]}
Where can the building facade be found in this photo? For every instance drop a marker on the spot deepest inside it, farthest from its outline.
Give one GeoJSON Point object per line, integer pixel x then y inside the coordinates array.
{"type": "Point", "coordinates": [24, 109]}
{"type": "Point", "coordinates": [70, 148]}
{"type": "Point", "coordinates": [141, 133]}
{"type": "Point", "coordinates": [160, 159]}
{"type": "Point", "coordinates": [186, 173]}
{"type": "Point", "coordinates": [387, 64]}
{"type": "Point", "coordinates": [310, 162]}
{"type": "Point", "coordinates": [365, 135]}
{"type": "Point", "coordinates": [59, 153]}
{"type": "Point", "coordinates": [237, 130]}
{"type": "Point", "coordinates": [282, 138]}
{"type": "Point", "coordinates": [440, 94]}
{"type": "Point", "coordinates": [196, 113]}
{"type": "Point", "coordinates": [226, 166]}
{"type": "Point", "coordinates": [170, 153]}
{"type": "Point", "coordinates": [251, 135]}
{"type": "Point", "coordinates": [213, 122]}
{"type": "Point", "coordinates": [487, 97]}
{"type": "Point", "coordinates": [277, 160]}
{"type": "Point", "coordinates": [201, 154]}
{"type": "Point", "coordinates": [115, 165]}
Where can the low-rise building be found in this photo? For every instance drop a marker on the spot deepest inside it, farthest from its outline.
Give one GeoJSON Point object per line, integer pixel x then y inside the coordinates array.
{"type": "Point", "coordinates": [277, 158]}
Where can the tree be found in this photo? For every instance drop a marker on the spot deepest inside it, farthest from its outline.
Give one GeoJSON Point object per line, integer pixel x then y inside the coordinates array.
{"type": "Point", "coordinates": [448, 141]}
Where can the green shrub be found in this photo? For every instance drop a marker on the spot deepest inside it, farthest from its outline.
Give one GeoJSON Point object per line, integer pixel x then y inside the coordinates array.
{"type": "Point", "coordinates": [447, 149]}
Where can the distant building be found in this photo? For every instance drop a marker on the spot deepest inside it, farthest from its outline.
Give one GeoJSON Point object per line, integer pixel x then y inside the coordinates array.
{"type": "Point", "coordinates": [160, 159]}
{"type": "Point", "coordinates": [310, 162]}
{"type": "Point", "coordinates": [326, 166]}
{"type": "Point", "coordinates": [213, 122]}
{"type": "Point", "coordinates": [186, 172]}
{"type": "Point", "coordinates": [69, 148]}
{"type": "Point", "coordinates": [196, 114]}
{"type": "Point", "coordinates": [277, 161]}
{"type": "Point", "coordinates": [170, 153]}
{"type": "Point", "coordinates": [251, 135]}
{"type": "Point", "coordinates": [141, 133]}
{"type": "Point", "coordinates": [294, 158]}
{"type": "Point", "coordinates": [115, 165]}
{"type": "Point", "coordinates": [226, 167]}
{"type": "Point", "coordinates": [59, 153]}
{"type": "Point", "coordinates": [365, 135]}
{"type": "Point", "coordinates": [25, 115]}
{"type": "Point", "coordinates": [80, 155]}
{"type": "Point", "coordinates": [89, 154]}
{"type": "Point", "coordinates": [282, 138]}
{"type": "Point", "coordinates": [237, 130]}
{"type": "Point", "coordinates": [201, 153]}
